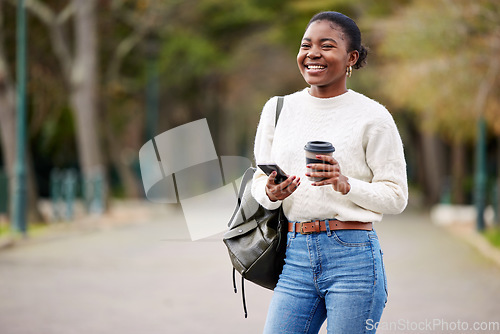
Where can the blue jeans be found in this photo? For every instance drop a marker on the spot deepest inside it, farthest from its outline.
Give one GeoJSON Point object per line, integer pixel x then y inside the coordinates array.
{"type": "Point", "coordinates": [334, 275]}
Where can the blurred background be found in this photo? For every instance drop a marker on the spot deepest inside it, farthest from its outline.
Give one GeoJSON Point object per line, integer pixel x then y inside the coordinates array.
{"type": "Point", "coordinates": [105, 76]}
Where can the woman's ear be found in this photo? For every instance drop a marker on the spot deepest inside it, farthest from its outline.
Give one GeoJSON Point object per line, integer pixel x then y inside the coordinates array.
{"type": "Point", "coordinates": [353, 58]}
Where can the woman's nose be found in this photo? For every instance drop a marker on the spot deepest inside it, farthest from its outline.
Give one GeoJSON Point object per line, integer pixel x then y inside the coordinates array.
{"type": "Point", "coordinates": [313, 53]}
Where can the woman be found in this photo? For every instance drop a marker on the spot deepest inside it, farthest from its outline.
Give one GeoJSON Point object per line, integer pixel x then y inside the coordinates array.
{"type": "Point", "coordinates": [335, 272]}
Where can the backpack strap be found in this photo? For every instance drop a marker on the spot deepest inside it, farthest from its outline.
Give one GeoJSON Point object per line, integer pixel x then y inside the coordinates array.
{"type": "Point", "coordinates": [244, 182]}
{"type": "Point", "coordinates": [247, 175]}
{"type": "Point", "coordinates": [279, 106]}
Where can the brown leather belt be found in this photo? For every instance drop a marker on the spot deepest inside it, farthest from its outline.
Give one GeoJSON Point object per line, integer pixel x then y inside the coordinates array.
{"type": "Point", "coordinates": [317, 226]}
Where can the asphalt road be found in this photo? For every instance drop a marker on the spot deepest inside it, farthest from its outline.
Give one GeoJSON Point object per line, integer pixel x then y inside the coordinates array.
{"type": "Point", "coordinates": [146, 277]}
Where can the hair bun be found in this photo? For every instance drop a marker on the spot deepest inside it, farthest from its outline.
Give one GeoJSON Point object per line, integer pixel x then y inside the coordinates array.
{"type": "Point", "coordinates": [363, 53]}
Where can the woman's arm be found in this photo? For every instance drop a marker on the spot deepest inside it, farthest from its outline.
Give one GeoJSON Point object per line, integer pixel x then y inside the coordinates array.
{"type": "Point", "coordinates": [262, 153]}
{"type": "Point", "coordinates": [387, 193]}
{"type": "Point", "coordinates": [264, 189]}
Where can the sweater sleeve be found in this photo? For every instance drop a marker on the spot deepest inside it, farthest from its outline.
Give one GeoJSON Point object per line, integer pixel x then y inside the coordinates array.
{"type": "Point", "coordinates": [262, 153]}
{"type": "Point", "coordinates": [387, 192]}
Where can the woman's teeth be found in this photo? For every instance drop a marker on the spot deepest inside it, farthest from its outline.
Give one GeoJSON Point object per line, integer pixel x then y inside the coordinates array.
{"type": "Point", "coordinates": [315, 67]}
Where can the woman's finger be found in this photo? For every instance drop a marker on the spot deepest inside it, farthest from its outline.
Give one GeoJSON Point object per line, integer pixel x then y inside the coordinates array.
{"type": "Point", "coordinates": [321, 167]}
{"type": "Point", "coordinates": [271, 178]}
{"type": "Point", "coordinates": [283, 185]}
{"type": "Point", "coordinates": [293, 185]}
{"type": "Point", "coordinates": [327, 158]}
{"type": "Point", "coordinates": [286, 188]}
{"type": "Point", "coordinates": [327, 175]}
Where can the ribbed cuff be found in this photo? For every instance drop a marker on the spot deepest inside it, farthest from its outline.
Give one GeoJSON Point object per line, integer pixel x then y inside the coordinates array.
{"type": "Point", "coordinates": [266, 202]}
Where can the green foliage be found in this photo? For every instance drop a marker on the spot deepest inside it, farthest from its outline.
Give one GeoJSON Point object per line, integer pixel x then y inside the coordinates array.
{"type": "Point", "coordinates": [56, 139]}
{"type": "Point", "coordinates": [436, 55]}
{"type": "Point", "coordinates": [4, 230]}
{"type": "Point", "coordinates": [223, 19]}
{"type": "Point", "coordinates": [493, 236]}
{"type": "Point", "coordinates": [186, 56]}
{"type": "Point", "coordinates": [422, 32]}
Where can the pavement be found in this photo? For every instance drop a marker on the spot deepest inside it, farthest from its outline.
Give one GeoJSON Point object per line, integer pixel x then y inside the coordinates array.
{"type": "Point", "coordinates": [136, 272]}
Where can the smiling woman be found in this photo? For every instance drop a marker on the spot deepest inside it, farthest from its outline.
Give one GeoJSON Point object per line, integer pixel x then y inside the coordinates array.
{"type": "Point", "coordinates": [333, 268]}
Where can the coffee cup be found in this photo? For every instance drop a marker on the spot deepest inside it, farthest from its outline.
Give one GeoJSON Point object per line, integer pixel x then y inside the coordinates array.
{"type": "Point", "coordinates": [314, 148]}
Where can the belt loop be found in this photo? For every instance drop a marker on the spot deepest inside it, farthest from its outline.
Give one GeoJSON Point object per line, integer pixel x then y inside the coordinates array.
{"type": "Point", "coordinates": [327, 225]}
{"type": "Point", "coordinates": [294, 229]}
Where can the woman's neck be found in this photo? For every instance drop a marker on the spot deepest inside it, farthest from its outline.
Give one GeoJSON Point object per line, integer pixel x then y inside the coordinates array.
{"type": "Point", "coordinates": [327, 91]}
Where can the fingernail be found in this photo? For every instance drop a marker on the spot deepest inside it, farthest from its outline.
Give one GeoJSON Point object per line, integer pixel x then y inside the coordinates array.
{"type": "Point", "coordinates": [308, 174]}
{"type": "Point", "coordinates": [308, 166]}
{"type": "Point", "coordinates": [313, 184]}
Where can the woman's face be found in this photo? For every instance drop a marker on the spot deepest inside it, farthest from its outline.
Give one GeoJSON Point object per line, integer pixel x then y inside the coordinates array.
{"type": "Point", "coordinates": [323, 59]}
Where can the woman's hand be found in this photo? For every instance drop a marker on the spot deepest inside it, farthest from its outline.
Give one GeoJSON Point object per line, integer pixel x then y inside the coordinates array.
{"type": "Point", "coordinates": [331, 173]}
{"type": "Point", "coordinates": [281, 191]}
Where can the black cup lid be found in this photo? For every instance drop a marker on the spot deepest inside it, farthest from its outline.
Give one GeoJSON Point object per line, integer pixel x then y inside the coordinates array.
{"type": "Point", "coordinates": [319, 146]}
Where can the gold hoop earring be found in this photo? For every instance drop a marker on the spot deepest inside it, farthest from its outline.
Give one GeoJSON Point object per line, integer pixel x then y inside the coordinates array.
{"type": "Point", "coordinates": [349, 71]}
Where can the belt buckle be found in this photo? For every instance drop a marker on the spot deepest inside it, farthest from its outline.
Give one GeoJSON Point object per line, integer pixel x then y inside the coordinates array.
{"type": "Point", "coordinates": [301, 230]}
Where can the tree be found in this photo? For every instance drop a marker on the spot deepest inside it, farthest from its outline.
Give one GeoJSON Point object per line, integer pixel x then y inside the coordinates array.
{"type": "Point", "coordinates": [132, 47]}
{"type": "Point", "coordinates": [79, 63]}
{"type": "Point", "coordinates": [8, 127]}
{"type": "Point", "coordinates": [442, 63]}
{"type": "Point", "coordinates": [79, 68]}
{"type": "Point", "coordinates": [7, 104]}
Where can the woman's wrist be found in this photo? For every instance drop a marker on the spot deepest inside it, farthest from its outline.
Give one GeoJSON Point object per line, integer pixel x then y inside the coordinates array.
{"type": "Point", "coordinates": [343, 186]}
{"type": "Point", "coordinates": [270, 196]}
{"type": "Point", "coordinates": [348, 186]}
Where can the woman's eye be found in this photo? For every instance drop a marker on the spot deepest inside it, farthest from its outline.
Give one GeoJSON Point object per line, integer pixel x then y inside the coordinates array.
{"type": "Point", "coordinates": [328, 46]}
{"type": "Point", "coordinates": [304, 46]}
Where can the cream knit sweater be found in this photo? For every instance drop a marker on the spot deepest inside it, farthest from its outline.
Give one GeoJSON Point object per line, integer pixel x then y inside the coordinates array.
{"type": "Point", "coordinates": [367, 146]}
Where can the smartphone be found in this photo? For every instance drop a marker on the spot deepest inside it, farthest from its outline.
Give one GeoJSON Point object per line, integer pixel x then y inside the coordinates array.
{"type": "Point", "coordinates": [269, 168]}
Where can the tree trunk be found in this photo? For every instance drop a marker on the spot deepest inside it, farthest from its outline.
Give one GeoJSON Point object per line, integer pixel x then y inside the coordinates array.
{"type": "Point", "coordinates": [7, 119]}
{"type": "Point", "coordinates": [7, 122]}
{"type": "Point", "coordinates": [458, 173]}
{"type": "Point", "coordinates": [115, 155]}
{"type": "Point", "coordinates": [8, 133]}
{"type": "Point", "coordinates": [80, 72]}
{"type": "Point", "coordinates": [432, 162]}
{"type": "Point", "coordinates": [497, 216]}
{"type": "Point", "coordinates": [129, 181]}
{"type": "Point", "coordinates": [7, 107]}
{"type": "Point", "coordinates": [83, 94]}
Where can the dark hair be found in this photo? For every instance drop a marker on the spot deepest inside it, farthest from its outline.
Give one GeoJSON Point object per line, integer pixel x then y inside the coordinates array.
{"type": "Point", "coordinates": [350, 28]}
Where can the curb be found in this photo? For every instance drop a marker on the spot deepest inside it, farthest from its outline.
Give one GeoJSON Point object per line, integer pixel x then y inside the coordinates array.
{"type": "Point", "coordinates": [477, 241]}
